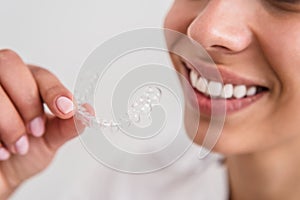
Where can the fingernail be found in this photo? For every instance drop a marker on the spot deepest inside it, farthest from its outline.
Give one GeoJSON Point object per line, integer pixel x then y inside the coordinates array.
{"type": "Point", "coordinates": [22, 145]}
{"type": "Point", "coordinates": [37, 127]}
{"type": "Point", "coordinates": [65, 105]}
{"type": "Point", "coordinates": [4, 154]}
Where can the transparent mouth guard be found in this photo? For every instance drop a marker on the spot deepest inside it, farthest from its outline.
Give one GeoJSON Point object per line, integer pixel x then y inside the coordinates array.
{"type": "Point", "coordinates": [136, 107]}
{"type": "Point", "coordinates": [138, 111]}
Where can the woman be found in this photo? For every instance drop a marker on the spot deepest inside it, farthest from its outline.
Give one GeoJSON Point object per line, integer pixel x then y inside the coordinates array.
{"type": "Point", "coordinates": [254, 45]}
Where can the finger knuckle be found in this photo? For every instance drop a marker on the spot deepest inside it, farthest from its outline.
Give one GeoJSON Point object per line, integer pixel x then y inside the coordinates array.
{"type": "Point", "coordinates": [52, 92]}
{"type": "Point", "coordinates": [31, 99]}
{"type": "Point", "coordinates": [12, 132]}
{"type": "Point", "coordinates": [8, 55]}
{"type": "Point", "coordinates": [38, 71]}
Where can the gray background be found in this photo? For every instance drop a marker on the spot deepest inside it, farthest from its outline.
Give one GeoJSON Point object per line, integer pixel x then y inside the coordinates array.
{"type": "Point", "coordinates": [59, 35]}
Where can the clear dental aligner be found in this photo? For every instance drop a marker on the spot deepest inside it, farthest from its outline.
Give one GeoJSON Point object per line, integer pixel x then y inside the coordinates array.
{"type": "Point", "coordinates": [142, 106]}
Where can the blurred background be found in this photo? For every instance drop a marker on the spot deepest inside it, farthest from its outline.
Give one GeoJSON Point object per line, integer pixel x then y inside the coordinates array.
{"type": "Point", "coordinates": [59, 35]}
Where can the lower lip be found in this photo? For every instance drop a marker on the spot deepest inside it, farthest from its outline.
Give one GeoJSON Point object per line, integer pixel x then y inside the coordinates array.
{"type": "Point", "coordinates": [221, 107]}
{"type": "Point", "coordinates": [209, 106]}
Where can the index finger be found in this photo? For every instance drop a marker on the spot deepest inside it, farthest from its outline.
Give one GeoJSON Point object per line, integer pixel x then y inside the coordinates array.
{"type": "Point", "coordinates": [57, 97]}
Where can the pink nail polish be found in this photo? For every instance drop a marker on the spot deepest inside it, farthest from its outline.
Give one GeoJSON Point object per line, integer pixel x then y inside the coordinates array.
{"type": "Point", "coordinates": [37, 126]}
{"type": "Point", "coordinates": [4, 154]}
{"type": "Point", "coordinates": [22, 145]}
{"type": "Point", "coordinates": [65, 105]}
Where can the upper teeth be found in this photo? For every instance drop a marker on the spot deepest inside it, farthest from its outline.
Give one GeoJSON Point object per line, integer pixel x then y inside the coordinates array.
{"type": "Point", "coordinates": [217, 89]}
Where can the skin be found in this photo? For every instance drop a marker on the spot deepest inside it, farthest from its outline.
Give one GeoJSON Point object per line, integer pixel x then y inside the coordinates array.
{"type": "Point", "coordinates": [21, 97]}
{"type": "Point", "coordinates": [259, 40]}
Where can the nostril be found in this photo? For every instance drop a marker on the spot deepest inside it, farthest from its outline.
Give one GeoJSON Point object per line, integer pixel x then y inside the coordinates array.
{"type": "Point", "coordinates": [220, 47]}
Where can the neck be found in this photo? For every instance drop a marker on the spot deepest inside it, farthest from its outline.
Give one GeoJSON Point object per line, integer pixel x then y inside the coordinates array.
{"type": "Point", "coordinates": [272, 174]}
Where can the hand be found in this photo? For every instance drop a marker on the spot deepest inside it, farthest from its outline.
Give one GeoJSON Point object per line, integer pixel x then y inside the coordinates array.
{"type": "Point", "coordinates": [29, 138]}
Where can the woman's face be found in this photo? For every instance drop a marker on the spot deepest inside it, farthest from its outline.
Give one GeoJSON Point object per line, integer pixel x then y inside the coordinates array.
{"type": "Point", "coordinates": [256, 46]}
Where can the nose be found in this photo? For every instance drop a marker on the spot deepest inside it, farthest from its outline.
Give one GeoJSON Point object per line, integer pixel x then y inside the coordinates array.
{"type": "Point", "coordinates": [222, 26]}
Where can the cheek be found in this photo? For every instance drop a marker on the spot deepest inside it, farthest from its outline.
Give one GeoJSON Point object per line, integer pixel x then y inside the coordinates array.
{"type": "Point", "coordinates": [285, 61]}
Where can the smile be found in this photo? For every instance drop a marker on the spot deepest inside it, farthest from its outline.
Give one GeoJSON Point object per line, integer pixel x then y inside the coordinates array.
{"type": "Point", "coordinates": [233, 92]}
{"type": "Point", "coordinates": [219, 90]}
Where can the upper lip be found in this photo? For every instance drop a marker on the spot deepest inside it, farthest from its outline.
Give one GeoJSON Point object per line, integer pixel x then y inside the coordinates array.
{"type": "Point", "coordinates": [221, 74]}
